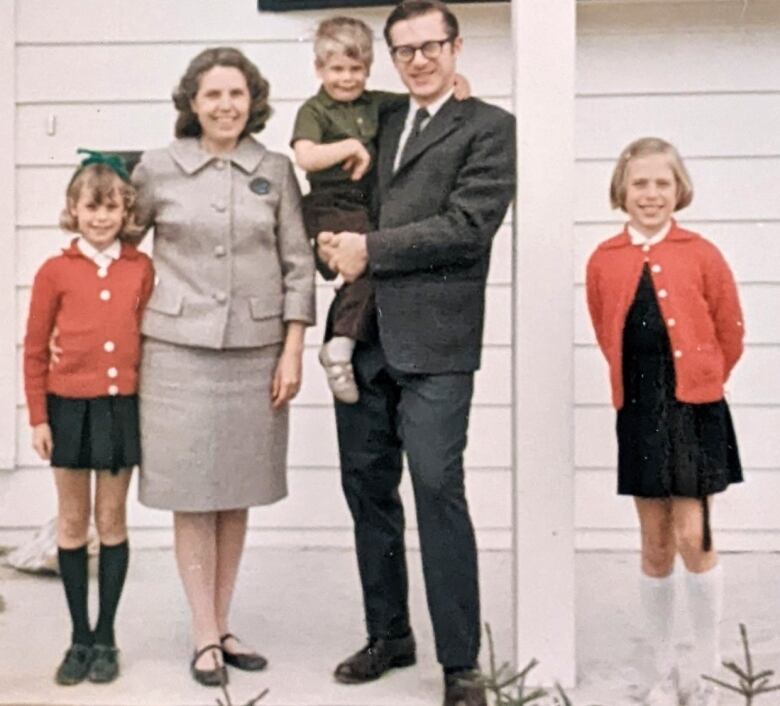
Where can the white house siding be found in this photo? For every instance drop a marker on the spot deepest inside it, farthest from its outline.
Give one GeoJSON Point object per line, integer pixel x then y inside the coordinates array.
{"type": "Point", "coordinates": [706, 76]}
{"type": "Point", "coordinates": [101, 73]}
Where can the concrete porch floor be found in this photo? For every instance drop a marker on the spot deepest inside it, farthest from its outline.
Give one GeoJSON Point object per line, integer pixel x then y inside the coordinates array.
{"type": "Point", "coordinates": [300, 608]}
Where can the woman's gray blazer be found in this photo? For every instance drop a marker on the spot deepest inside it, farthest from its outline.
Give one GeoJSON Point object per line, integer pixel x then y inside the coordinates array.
{"type": "Point", "coordinates": [231, 255]}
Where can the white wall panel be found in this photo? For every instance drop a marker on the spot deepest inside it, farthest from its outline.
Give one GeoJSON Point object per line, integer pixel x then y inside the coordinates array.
{"type": "Point", "coordinates": [313, 438]}
{"type": "Point", "coordinates": [749, 504]}
{"type": "Point", "coordinates": [759, 305]}
{"type": "Point", "coordinates": [678, 61]}
{"type": "Point", "coordinates": [756, 427]}
{"type": "Point", "coordinates": [752, 249]}
{"type": "Point", "coordinates": [755, 380]}
{"type": "Point", "coordinates": [47, 21]}
{"type": "Point", "coordinates": [491, 386]}
{"type": "Point", "coordinates": [315, 501]}
{"type": "Point", "coordinates": [152, 71]}
{"type": "Point", "coordinates": [698, 125]}
{"type": "Point", "coordinates": [726, 189]}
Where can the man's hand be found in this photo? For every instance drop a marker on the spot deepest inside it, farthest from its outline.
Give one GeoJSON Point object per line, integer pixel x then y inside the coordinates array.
{"type": "Point", "coordinates": [349, 254]}
{"type": "Point", "coordinates": [42, 442]}
{"type": "Point", "coordinates": [326, 248]}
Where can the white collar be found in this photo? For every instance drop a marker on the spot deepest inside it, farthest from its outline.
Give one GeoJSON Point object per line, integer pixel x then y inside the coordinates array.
{"type": "Point", "coordinates": [100, 257]}
{"type": "Point", "coordinates": [433, 108]}
{"type": "Point", "coordinates": [638, 238]}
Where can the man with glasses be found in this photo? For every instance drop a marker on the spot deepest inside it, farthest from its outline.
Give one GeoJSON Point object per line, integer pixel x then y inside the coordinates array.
{"type": "Point", "coordinates": [445, 179]}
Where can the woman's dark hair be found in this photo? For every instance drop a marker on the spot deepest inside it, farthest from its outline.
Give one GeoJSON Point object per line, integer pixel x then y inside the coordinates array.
{"type": "Point", "coordinates": [414, 8]}
{"type": "Point", "coordinates": [187, 123]}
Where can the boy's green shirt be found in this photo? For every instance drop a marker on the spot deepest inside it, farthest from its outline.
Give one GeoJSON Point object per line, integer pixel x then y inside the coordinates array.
{"type": "Point", "coordinates": [324, 120]}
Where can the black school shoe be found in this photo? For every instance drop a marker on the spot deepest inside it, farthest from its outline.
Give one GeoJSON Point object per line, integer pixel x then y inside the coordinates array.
{"type": "Point", "coordinates": [74, 667]}
{"type": "Point", "coordinates": [105, 664]}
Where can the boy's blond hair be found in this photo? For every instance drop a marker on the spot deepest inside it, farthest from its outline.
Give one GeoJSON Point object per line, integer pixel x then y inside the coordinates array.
{"type": "Point", "coordinates": [643, 147]}
{"type": "Point", "coordinates": [344, 35]}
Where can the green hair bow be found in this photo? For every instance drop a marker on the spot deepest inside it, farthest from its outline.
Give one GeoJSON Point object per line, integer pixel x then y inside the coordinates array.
{"type": "Point", "coordinates": [112, 161]}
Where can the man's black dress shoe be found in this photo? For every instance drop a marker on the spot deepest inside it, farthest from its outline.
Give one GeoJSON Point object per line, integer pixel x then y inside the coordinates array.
{"type": "Point", "coordinates": [248, 661]}
{"type": "Point", "coordinates": [463, 689]}
{"type": "Point", "coordinates": [376, 658]}
{"type": "Point", "coordinates": [208, 677]}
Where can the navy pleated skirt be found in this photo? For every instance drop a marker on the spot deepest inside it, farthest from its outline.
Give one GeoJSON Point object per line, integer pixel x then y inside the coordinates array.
{"type": "Point", "coordinates": [99, 433]}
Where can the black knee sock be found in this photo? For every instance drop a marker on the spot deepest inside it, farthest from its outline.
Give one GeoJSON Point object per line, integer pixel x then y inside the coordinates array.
{"type": "Point", "coordinates": [112, 569]}
{"type": "Point", "coordinates": [73, 569]}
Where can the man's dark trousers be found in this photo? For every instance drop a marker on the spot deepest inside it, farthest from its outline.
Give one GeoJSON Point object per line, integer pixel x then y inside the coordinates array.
{"type": "Point", "coordinates": [426, 416]}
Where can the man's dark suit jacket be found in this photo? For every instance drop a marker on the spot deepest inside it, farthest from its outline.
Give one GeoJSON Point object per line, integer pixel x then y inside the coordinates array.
{"type": "Point", "coordinates": [437, 216]}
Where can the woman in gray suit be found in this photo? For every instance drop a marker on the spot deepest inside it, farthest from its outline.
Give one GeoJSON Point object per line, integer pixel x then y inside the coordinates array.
{"type": "Point", "coordinates": [223, 335]}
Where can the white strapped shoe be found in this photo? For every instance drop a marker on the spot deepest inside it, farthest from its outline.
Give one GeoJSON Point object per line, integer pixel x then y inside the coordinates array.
{"type": "Point", "coordinates": [341, 377]}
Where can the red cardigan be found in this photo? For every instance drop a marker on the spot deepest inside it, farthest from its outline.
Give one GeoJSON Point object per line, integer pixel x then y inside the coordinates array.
{"type": "Point", "coordinates": [98, 319]}
{"type": "Point", "coordinates": [698, 300]}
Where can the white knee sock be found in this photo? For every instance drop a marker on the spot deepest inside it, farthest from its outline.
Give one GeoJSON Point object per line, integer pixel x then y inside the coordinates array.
{"type": "Point", "coordinates": [657, 598]}
{"type": "Point", "coordinates": [705, 605]}
{"type": "Point", "coordinates": [340, 348]}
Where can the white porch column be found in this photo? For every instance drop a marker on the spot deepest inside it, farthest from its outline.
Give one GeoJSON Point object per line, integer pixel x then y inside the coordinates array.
{"type": "Point", "coordinates": [8, 369]}
{"type": "Point", "coordinates": [544, 51]}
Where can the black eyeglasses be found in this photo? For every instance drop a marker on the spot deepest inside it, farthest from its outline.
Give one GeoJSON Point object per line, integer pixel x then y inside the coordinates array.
{"type": "Point", "coordinates": [430, 50]}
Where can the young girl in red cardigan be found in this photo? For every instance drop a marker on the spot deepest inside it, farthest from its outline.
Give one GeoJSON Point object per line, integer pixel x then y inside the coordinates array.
{"type": "Point", "coordinates": [83, 407]}
{"type": "Point", "coordinates": [667, 318]}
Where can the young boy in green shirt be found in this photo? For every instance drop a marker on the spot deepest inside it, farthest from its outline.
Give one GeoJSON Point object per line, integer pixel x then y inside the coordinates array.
{"type": "Point", "coordinates": [334, 141]}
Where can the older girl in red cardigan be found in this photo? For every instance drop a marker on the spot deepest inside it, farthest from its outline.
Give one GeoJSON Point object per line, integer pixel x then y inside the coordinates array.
{"type": "Point", "coordinates": [83, 408]}
{"type": "Point", "coordinates": [667, 318]}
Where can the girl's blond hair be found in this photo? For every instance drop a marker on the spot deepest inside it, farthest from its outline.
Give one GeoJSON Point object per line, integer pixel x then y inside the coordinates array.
{"type": "Point", "coordinates": [104, 184]}
{"type": "Point", "coordinates": [642, 148]}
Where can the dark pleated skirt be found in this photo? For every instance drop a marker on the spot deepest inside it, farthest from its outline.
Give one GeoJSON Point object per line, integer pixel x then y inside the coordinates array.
{"type": "Point", "coordinates": [666, 447]}
{"type": "Point", "coordinates": [99, 433]}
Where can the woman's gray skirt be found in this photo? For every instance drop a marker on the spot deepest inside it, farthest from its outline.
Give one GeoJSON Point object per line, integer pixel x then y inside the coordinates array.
{"type": "Point", "coordinates": [209, 437]}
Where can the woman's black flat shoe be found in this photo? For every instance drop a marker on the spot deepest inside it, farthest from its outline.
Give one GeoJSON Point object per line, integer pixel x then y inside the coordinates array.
{"type": "Point", "coordinates": [208, 677]}
{"type": "Point", "coordinates": [249, 661]}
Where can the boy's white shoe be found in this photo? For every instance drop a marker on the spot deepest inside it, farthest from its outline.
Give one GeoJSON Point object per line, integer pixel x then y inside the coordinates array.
{"type": "Point", "coordinates": [341, 377]}
{"type": "Point", "coordinates": [703, 694]}
{"type": "Point", "coordinates": [663, 692]}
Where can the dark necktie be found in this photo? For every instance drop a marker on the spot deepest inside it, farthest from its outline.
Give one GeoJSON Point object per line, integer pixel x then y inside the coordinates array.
{"type": "Point", "coordinates": [414, 135]}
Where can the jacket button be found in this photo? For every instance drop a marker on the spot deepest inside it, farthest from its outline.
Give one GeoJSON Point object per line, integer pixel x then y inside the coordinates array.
{"type": "Point", "coordinates": [219, 164]}
{"type": "Point", "coordinates": [220, 206]}
{"type": "Point", "coordinates": [678, 354]}
{"type": "Point", "coordinates": [655, 268]}
{"type": "Point", "coordinates": [671, 322]}
{"type": "Point", "coordinates": [645, 248]}
{"type": "Point", "coordinates": [662, 293]}
{"type": "Point", "coordinates": [109, 346]}
{"type": "Point", "coordinates": [113, 390]}
{"type": "Point", "coordinates": [105, 295]}
{"type": "Point", "coordinates": [220, 297]}
{"type": "Point", "coordinates": [102, 272]}
{"type": "Point", "coordinates": [112, 372]}
{"type": "Point", "coordinates": [219, 251]}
